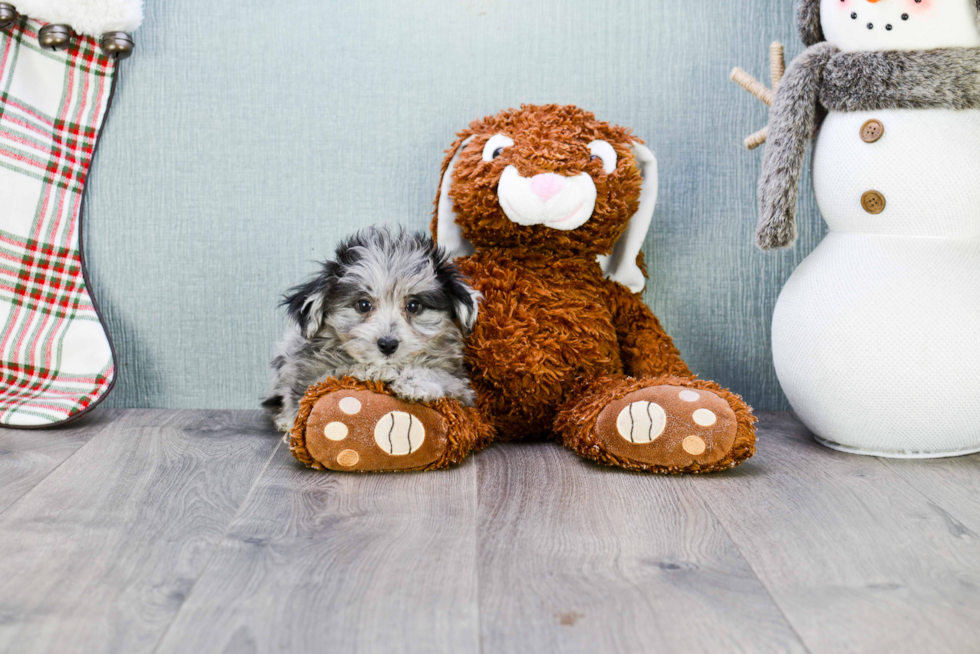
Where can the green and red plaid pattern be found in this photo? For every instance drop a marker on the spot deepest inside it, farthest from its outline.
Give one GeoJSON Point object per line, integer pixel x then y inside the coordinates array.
{"type": "Point", "coordinates": [55, 357]}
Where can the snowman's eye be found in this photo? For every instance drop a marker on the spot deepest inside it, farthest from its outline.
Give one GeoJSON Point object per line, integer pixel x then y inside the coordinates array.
{"type": "Point", "coordinates": [495, 146]}
{"type": "Point", "coordinates": [602, 150]}
{"type": "Point", "coordinates": [905, 16]}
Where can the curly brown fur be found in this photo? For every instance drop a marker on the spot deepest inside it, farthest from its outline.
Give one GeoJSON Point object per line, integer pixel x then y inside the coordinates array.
{"type": "Point", "coordinates": [577, 421]}
{"type": "Point", "coordinates": [465, 428]}
{"type": "Point", "coordinates": [550, 322]}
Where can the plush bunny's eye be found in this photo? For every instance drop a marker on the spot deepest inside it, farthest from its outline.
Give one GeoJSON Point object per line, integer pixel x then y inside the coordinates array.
{"type": "Point", "coordinates": [495, 146]}
{"type": "Point", "coordinates": [602, 150]}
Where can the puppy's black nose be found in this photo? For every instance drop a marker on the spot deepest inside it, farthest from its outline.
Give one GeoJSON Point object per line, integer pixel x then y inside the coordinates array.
{"type": "Point", "coordinates": [387, 345]}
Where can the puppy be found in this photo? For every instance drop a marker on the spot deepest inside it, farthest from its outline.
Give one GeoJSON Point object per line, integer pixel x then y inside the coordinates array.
{"type": "Point", "coordinates": [391, 307]}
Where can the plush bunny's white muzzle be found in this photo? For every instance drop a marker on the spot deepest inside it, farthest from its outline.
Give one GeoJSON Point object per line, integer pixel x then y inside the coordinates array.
{"type": "Point", "coordinates": [547, 199]}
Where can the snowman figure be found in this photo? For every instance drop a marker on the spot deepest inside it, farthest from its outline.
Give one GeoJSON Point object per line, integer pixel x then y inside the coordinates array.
{"type": "Point", "coordinates": [876, 336]}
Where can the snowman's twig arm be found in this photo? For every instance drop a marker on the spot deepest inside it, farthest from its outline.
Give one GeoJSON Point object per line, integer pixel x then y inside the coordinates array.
{"type": "Point", "coordinates": [758, 138]}
{"type": "Point", "coordinates": [753, 86]}
{"type": "Point", "coordinates": [791, 122]}
{"type": "Point", "coordinates": [777, 64]}
{"type": "Point", "coordinates": [777, 67]}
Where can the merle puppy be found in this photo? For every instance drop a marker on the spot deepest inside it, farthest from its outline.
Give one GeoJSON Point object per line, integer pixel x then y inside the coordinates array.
{"type": "Point", "coordinates": [391, 308]}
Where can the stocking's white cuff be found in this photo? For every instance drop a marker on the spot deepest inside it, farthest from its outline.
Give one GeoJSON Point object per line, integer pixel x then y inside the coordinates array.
{"type": "Point", "coordinates": [91, 17]}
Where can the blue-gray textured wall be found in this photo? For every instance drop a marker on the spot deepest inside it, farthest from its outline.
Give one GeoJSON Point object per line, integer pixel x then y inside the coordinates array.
{"type": "Point", "coordinates": [247, 136]}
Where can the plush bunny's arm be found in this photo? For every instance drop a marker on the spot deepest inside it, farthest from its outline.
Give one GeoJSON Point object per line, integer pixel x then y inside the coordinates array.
{"type": "Point", "coordinates": [644, 347]}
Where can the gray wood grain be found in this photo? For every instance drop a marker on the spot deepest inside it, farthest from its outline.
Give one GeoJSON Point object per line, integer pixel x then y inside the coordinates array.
{"type": "Point", "coordinates": [953, 484]}
{"type": "Point", "coordinates": [195, 531]}
{"type": "Point", "coordinates": [331, 562]}
{"type": "Point", "coordinates": [28, 456]}
{"type": "Point", "coordinates": [577, 558]}
{"type": "Point", "coordinates": [857, 559]}
{"type": "Point", "coordinates": [99, 555]}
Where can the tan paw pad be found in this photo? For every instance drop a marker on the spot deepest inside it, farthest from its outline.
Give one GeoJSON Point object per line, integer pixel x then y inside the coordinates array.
{"type": "Point", "coordinates": [694, 445]}
{"type": "Point", "coordinates": [348, 458]}
{"type": "Point", "coordinates": [641, 422]}
{"type": "Point", "coordinates": [399, 433]}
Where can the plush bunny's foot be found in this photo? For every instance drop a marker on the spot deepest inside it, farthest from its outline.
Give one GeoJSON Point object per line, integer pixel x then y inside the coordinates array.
{"type": "Point", "coordinates": [666, 427]}
{"type": "Point", "coordinates": [355, 429]}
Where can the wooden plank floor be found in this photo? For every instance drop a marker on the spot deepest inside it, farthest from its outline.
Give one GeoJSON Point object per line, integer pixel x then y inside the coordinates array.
{"type": "Point", "coordinates": [196, 531]}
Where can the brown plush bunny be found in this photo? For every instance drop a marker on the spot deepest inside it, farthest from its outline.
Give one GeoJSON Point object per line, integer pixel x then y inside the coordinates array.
{"type": "Point", "coordinates": [548, 209]}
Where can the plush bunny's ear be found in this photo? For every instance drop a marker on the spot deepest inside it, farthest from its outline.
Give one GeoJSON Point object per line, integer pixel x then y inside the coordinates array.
{"type": "Point", "coordinates": [621, 266]}
{"type": "Point", "coordinates": [448, 233]}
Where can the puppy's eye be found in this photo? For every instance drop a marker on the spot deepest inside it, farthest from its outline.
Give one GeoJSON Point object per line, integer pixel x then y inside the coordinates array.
{"type": "Point", "coordinates": [413, 307]}
{"type": "Point", "coordinates": [495, 146]}
{"type": "Point", "coordinates": [364, 306]}
{"type": "Point", "coordinates": [602, 150]}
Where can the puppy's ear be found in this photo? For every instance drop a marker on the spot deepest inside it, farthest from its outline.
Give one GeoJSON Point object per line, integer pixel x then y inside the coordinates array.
{"type": "Point", "coordinates": [307, 303]}
{"type": "Point", "coordinates": [464, 299]}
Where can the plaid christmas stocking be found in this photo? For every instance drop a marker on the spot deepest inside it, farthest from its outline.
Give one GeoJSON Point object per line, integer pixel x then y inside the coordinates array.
{"type": "Point", "coordinates": [56, 361]}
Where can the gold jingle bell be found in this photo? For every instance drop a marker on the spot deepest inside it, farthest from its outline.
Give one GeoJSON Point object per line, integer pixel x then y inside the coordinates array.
{"type": "Point", "coordinates": [8, 15]}
{"type": "Point", "coordinates": [118, 45]}
{"type": "Point", "coordinates": [54, 37]}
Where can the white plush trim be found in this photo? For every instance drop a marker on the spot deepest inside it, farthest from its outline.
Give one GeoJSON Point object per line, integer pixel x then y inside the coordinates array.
{"type": "Point", "coordinates": [568, 205]}
{"type": "Point", "coordinates": [91, 17]}
{"type": "Point", "coordinates": [621, 266]}
{"type": "Point", "coordinates": [449, 234]}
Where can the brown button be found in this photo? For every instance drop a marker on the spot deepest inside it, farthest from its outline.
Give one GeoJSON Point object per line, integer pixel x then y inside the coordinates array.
{"type": "Point", "coordinates": [871, 131]}
{"type": "Point", "coordinates": [873, 202]}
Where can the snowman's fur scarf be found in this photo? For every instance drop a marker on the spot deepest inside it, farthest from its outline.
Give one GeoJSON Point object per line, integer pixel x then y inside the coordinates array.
{"type": "Point", "coordinates": [925, 79]}
{"type": "Point", "coordinates": [821, 79]}
{"type": "Point", "coordinates": [91, 17]}
{"type": "Point", "coordinates": [811, 32]}
{"type": "Point", "coordinates": [331, 335]}
{"type": "Point", "coordinates": [791, 125]}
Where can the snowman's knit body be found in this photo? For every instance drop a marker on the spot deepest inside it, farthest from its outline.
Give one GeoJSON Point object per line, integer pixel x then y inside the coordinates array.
{"type": "Point", "coordinates": [876, 336]}
{"type": "Point", "coordinates": [886, 296]}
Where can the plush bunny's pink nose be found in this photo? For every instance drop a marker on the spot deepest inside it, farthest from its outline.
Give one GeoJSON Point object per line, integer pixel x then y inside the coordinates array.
{"type": "Point", "coordinates": [547, 185]}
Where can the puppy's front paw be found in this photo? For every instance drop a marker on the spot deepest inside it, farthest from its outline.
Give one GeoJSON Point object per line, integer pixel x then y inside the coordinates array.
{"type": "Point", "coordinates": [418, 386]}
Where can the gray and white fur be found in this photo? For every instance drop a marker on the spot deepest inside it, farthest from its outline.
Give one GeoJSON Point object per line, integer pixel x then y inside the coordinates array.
{"type": "Point", "coordinates": [391, 307]}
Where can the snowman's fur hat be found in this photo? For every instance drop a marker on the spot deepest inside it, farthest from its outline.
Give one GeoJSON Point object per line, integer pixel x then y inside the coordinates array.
{"type": "Point", "coordinates": [809, 17]}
